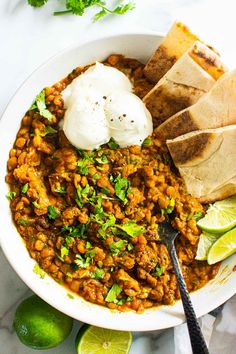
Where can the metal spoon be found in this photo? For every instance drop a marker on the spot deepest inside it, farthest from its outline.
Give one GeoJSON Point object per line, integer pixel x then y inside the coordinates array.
{"type": "Point", "coordinates": [168, 234]}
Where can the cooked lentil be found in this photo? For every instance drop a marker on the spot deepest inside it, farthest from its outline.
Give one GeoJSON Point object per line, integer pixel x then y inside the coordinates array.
{"type": "Point", "coordinates": [90, 219]}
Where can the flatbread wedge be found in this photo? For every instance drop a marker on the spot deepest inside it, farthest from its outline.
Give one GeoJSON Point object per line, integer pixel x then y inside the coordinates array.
{"type": "Point", "coordinates": [206, 161]}
{"type": "Point", "coordinates": [177, 41]}
{"type": "Point", "coordinates": [215, 109]}
{"type": "Point", "coordinates": [190, 77]}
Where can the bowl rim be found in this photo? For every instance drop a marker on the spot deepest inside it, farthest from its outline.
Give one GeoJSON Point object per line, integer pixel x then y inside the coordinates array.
{"type": "Point", "coordinates": [99, 322]}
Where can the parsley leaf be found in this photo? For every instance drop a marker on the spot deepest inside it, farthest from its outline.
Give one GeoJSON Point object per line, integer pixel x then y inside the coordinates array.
{"type": "Point", "coordinates": [40, 104]}
{"type": "Point", "coordinates": [37, 3]}
{"type": "Point", "coordinates": [52, 213]}
{"type": "Point", "coordinates": [131, 228]}
{"type": "Point", "coordinates": [11, 195]}
{"type": "Point", "coordinates": [113, 293]}
{"type": "Point", "coordinates": [24, 188]}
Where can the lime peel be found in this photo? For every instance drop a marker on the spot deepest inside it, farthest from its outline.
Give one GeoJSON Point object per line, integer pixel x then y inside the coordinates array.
{"type": "Point", "coordinates": [220, 217]}
{"type": "Point", "coordinates": [91, 340]}
{"type": "Point", "coordinates": [224, 247]}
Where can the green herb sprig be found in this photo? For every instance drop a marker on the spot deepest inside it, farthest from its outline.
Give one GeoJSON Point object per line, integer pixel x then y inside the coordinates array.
{"type": "Point", "coordinates": [78, 7]}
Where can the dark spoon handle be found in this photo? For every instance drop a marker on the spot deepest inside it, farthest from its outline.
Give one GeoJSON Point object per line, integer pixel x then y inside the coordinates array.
{"type": "Point", "coordinates": [197, 340]}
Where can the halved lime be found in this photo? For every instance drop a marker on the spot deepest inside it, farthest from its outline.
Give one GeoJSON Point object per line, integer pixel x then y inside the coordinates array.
{"type": "Point", "coordinates": [40, 326]}
{"type": "Point", "coordinates": [206, 241]}
{"type": "Point", "coordinates": [223, 247]}
{"type": "Point", "coordinates": [220, 217]}
{"type": "Point", "coordinates": [96, 340]}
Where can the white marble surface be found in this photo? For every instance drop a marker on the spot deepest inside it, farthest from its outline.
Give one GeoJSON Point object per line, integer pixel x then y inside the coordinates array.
{"type": "Point", "coordinates": [28, 37]}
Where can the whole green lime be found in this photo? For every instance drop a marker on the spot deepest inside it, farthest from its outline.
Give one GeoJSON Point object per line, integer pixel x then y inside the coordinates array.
{"type": "Point", "coordinates": [40, 326]}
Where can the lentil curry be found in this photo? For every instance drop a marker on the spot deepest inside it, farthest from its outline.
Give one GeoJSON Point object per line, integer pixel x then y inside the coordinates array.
{"type": "Point", "coordinates": [90, 218]}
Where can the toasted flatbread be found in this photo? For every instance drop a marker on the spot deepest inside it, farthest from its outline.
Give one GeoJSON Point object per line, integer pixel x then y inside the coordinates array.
{"type": "Point", "coordinates": [215, 109]}
{"type": "Point", "coordinates": [206, 161]}
{"type": "Point", "coordinates": [184, 83]}
{"type": "Point", "coordinates": [177, 41]}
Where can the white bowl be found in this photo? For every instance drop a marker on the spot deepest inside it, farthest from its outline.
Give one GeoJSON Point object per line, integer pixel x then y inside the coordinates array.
{"type": "Point", "coordinates": [220, 289]}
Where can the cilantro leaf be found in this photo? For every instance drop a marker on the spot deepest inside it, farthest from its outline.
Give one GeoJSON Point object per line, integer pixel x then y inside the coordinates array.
{"type": "Point", "coordinates": [113, 293]}
{"type": "Point", "coordinates": [98, 274]}
{"type": "Point", "coordinates": [102, 160]}
{"type": "Point", "coordinates": [159, 270]}
{"type": "Point", "coordinates": [64, 252]}
{"type": "Point", "coordinates": [60, 190]}
{"type": "Point", "coordinates": [131, 228]}
{"type": "Point", "coordinates": [113, 144]}
{"type": "Point", "coordinates": [115, 247]}
{"type": "Point", "coordinates": [40, 104]}
{"type": "Point", "coordinates": [52, 212]}
{"type": "Point", "coordinates": [24, 222]}
{"type": "Point", "coordinates": [39, 271]}
{"type": "Point", "coordinates": [36, 205]}
{"type": "Point", "coordinates": [11, 195]}
{"type": "Point", "coordinates": [48, 130]}
{"type": "Point", "coordinates": [122, 188]}
{"type": "Point", "coordinates": [84, 262]}
{"type": "Point", "coordinates": [37, 3]}
{"type": "Point", "coordinates": [25, 188]}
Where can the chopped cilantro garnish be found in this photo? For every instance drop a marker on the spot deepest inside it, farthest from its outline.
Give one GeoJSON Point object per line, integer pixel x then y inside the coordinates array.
{"type": "Point", "coordinates": [64, 252]}
{"type": "Point", "coordinates": [48, 130]}
{"type": "Point", "coordinates": [52, 212]}
{"type": "Point", "coordinates": [102, 160]}
{"type": "Point", "coordinates": [70, 296]}
{"type": "Point", "coordinates": [83, 167]}
{"type": "Point", "coordinates": [98, 274]}
{"type": "Point", "coordinates": [82, 194]}
{"type": "Point", "coordinates": [73, 231]}
{"type": "Point", "coordinates": [84, 262]}
{"type": "Point", "coordinates": [36, 205]}
{"type": "Point", "coordinates": [96, 176]}
{"type": "Point", "coordinates": [39, 271]}
{"type": "Point", "coordinates": [147, 142]}
{"type": "Point", "coordinates": [113, 293]}
{"type": "Point", "coordinates": [60, 190]}
{"type": "Point", "coordinates": [122, 188]}
{"type": "Point", "coordinates": [115, 247]}
{"type": "Point", "coordinates": [25, 188]}
{"type": "Point", "coordinates": [88, 245]}
{"type": "Point", "coordinates": [123, 300]}
{"type": "Point", "coordinates": [24, 222]}
{"type": "Point", "coordinates": [132, 229]}
{"type": "Point", "coordinates": [130, 246]}
{"type": "Point", "coordinates": [198, 216]}
{"type": "Point", "coordinates": [40, 104]}
{"type": "Point", "coordinates": [113, 145]}
{"type": "Point", "coordinates": [37, 3]}
{"type": "Point", "coordinates": [11, 195]}
{"type": "Point", "coordinates": [105, 190]}
{"type": "Point", "coordinates": [159, 270]}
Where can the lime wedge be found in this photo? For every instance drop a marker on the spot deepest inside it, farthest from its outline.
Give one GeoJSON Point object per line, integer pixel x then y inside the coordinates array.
{"type": "Point", "coordinates": [91, 340]}
{"type": "Point", "coordinates": [223, 247]}
{"type": "Point", "coordinates": [206, 241]}
{"type": "Point", "coordinates": [220, 217]}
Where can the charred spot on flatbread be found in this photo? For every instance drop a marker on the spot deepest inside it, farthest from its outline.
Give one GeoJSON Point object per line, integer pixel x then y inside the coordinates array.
{"type": "Point", "coordinates": [186, 150]}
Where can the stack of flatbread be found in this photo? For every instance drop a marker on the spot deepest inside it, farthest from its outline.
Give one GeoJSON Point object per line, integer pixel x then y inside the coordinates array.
{"type": "Point", "coordinates": [193, 105]}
